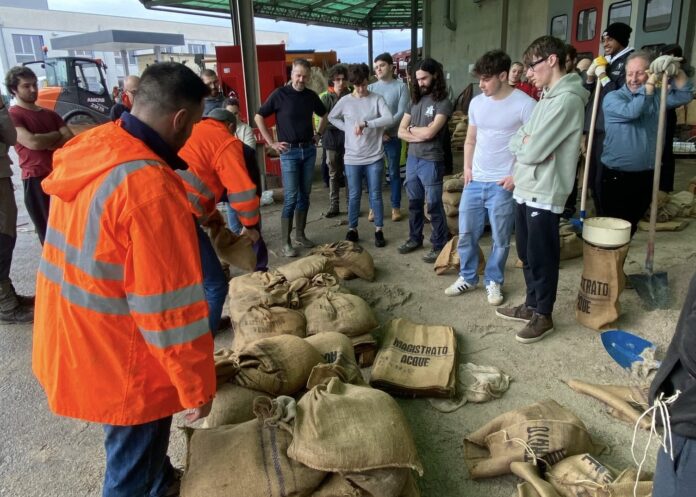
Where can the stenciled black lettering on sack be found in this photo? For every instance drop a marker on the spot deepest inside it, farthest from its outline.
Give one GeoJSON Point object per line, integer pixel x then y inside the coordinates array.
{"type": "Point", "coordinates": [603, 475]}
{"type": "Point", "coordinates": [417, 361]}
{"type": "Point", "coordinates": [584, 305]}
{"type": "Point", "coordinates": [594, 287]}
{"type": "Point", "coordinates": [537, 440]}
{"type": "Point", "coordinates": [331, 357]}
{"type": "Point", "coordinates": [411, 348]}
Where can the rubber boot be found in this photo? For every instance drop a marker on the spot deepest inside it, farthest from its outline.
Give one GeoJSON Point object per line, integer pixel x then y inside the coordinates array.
{"type": "Point", "coordinates": [11, 312]}
{"type": "Point", "coordinates": [286, 227]}
{"type": "Point", "coordinates": [333, 197]}
{"type": "Point", "coordinates": [300, 223]}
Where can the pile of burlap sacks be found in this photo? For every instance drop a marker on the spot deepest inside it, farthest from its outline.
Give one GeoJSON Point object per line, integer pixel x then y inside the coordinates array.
{"type": "Point", "coordinates": [550, 448]}
{"type": "Point", "coordinates": [673, 211]}
{"type": "Point", "coordinates": [458, 125]}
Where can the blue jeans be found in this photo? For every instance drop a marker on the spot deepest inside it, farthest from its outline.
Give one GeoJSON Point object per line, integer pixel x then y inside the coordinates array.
{"type": "Point", "coordinates": [214, 281]}
{"type": "Point", "coordinates": [297, 168]}
{"type": "Point", "coordinates": [424, 185]}
{"type": "Point", "coordinates": [479, 199]}
{"type": "Point", "coordinates": [137, 464]}
{"type": "Point", "coordinates": [373, 173]}
{"type": "Point", "coordinates": [392, 150]}
{"type": "Point", "coordinates": [676, 478]}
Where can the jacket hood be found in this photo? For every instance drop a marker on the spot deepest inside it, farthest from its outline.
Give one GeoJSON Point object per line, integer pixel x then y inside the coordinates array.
{"type": "Point", "coordinates": [570, 83]}
{"type": "Point", "coordinates": [90, 155]}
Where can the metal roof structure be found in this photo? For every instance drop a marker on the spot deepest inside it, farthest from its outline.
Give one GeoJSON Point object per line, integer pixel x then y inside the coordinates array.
{"type": "Point", "coordinates": [114, 40]}
{"type": "Point", "coordinates": [347, 14]}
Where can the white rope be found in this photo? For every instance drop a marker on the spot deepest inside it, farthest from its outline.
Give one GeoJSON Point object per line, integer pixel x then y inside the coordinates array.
{"type": "Point", "coordinates": [659, 411]}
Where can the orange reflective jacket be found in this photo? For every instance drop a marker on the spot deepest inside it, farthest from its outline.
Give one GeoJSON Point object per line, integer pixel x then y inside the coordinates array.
{"type": "Point", "coordinates": [121, 322]}
{"type": "Point", "coordinates": [216, 162]}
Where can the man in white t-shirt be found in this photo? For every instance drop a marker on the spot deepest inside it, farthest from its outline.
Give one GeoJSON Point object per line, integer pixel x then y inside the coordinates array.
{"type": "Point", "coordinates": [494, 117]}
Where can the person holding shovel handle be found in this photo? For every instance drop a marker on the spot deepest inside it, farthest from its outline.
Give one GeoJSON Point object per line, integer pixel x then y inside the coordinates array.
{"type": "Point", "coordinates": [631, 121]}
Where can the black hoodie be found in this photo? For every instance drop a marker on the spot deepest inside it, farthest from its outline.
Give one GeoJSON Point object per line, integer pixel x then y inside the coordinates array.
{"type": "Point", "coordinates": [678, 370]}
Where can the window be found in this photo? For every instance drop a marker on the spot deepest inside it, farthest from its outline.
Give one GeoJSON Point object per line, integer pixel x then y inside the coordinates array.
{"type": "Point", "coordinates": [195, 48]}
{"type": "Point", "coordinates": [587, 24]}
{"type": "Point", "coordinates": [131, 58]}
{"type": "Point", "coordinates": [620, 12]}
{"type": "Point", "coordinates": [89, 77]}
{"type": "Point", "coordinates": [28, 47]}
{"type": "Point", "coordinates": [81, 53]}
{"type": "Point", "coordinates": [559, 27]}
{"type": "Point", "coordinates": [658, 15]}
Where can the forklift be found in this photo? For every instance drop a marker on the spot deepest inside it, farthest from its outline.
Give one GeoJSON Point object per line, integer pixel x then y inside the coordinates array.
{"type": "Point", "coordinates": [75, 88]}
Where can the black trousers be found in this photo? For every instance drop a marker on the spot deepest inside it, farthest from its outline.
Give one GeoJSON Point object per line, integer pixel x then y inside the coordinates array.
{"type": "Point", "coordinates": [539, 249]}
{"type": "Point", "coordinates": [8, 226]}
{"type": "Point", "coordinates": [594, 179]}
{"type": "Point", "coordinates": [626, 195]}
{"type": "Point", "coordinates": [37, 203]}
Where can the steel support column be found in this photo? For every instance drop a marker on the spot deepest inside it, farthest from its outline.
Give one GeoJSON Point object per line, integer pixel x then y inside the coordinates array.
{"type": "Point", "coordinates": [414, 29]}
{"type": "Point", "coordinates": [124, 61]}
{"type": "Point", "coordinates": [370, 45]}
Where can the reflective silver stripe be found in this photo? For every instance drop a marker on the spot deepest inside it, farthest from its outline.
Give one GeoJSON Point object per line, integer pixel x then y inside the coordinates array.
{"type": "Point", "coordinates": [195, 202]}
{"type": "Point", "coordinates": [156, 304]}
{"type": "Point", "coordinates": [81, 297]}
{"type": "Point", "coordinates": [242, 196]}
{"type": "Point", "coordinates": [83, 258]}
{"type": "Point", "coordinates": [73, 255]}
{"type": "Point", "coordinates": [248, 214]}
{"type": "Point", "coordinates": [196, 183]}
{"type": "Point", "coordinates": [176, 336]}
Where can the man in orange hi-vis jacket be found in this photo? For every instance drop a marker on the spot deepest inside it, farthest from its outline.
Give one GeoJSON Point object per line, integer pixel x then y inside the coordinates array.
{"type": "Point", "coordinates": [215, 157]}
{"type": "Point", "coordinates": [121, 323]}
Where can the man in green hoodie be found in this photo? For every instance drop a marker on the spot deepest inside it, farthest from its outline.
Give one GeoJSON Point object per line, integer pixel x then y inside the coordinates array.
{"type": "Point", "coordinates": [546, 150]}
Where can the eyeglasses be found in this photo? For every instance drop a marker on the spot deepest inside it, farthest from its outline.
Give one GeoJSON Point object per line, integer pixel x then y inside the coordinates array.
{"type": "Point", "coordinates": [536, 62]}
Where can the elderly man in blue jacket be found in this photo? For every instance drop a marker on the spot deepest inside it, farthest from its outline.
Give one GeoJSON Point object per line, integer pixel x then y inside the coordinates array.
{"type": "Point", "coordinates": [631, 118]}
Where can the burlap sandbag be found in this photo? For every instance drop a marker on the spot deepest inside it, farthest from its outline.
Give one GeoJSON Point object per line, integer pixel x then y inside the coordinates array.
{"type": "Point", "coordinates": [571, 246]}
{"type": "Point", "coordinates": [260, 288]}
{"type": "Point", "coordinates": [450, 201]}
{"type": "Point", "coordinates": [625, 403]}
{"type": "Point", "coordinates": [247, 460]}
{"type": "Point", "coordinates": [231, 248]}
{"type": "Point", "coordinates": [365, 348]}
{"type": "Point", "coordinates": [674, 225]}
{"type": "Point", "coordinates": [277, 365]}
{"type": "Point", "coordinates": [339, 486]}
{"type": "Point", "coordinates": [455, 184]}
{"type": "Point", "coordinates": [262, 321]}
{"type": "Point", "coordinates": [318, 286]}
{"type": "Point", "coordinates": [584, 476]}
{"type": "Point", "coordinates": [545, 428]}
{"type": "Point", "coordinates": [232, 405]}
{"type": "Point", "coordinates": [337, 350]}
{"type": "Point", "coordinates": [449, 259]}
{"type": "Point", "coordinates": [534, 485]}
{"type": "Point", "coordinates": [348, 256]}
{"type": "Point", "coordinates": [601, 285]}
{"type": "Point", "coordinates": [416, 360]}
{"type": "Point", "coordinates": [306, 267]}
{"type": "Point", "coordinates": [341, 312]}
{"type": "Point", "coordinates": [348, 428]}
{"type": "Point", "coordinates": [452, 225]}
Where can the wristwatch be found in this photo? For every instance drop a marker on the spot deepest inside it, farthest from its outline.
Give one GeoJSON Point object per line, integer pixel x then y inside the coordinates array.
{"type": "Point", "coordinates": [365, 124]}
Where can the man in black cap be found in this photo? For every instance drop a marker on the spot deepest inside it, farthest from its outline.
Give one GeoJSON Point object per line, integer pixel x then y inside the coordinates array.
{"type": "Point", "coordinates": [612, 77]}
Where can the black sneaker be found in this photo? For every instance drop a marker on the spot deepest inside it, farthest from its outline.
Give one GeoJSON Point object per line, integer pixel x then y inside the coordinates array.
{"type": "Point", "coordinates": [538, 327]}
{"type": "Point", "coordinates": [409, 246]}
{"type": "Point", "coordinates": [19, 315]}
{"type": "Point", "coordinates": [431, 256]}
{"type": "Point", "coordinates": [352, 235]}
{"type": "Point", "coordinates": [379, 239]}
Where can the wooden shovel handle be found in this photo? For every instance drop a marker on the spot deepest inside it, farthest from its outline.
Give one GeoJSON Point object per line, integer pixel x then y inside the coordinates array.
{"type": "Point", "coordinates": [588, 151]}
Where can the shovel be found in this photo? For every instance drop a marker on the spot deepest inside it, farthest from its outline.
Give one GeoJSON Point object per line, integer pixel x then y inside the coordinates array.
{"type": "Point", "coordinates": [624, 347]}
{"type": "Point", "coordinates": [652, 287]}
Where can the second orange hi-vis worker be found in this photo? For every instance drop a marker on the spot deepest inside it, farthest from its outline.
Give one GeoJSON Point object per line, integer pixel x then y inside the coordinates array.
{"type": "Point", "coordinates": [216, 163]}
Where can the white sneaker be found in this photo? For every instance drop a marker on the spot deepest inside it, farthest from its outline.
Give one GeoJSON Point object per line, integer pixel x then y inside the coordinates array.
{"type": "Point", "coordinates": [459, 287]}
{"type": "Point", "coordinates": [495, 295]}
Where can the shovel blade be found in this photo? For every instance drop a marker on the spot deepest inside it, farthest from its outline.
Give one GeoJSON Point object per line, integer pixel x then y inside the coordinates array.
{"type": "Point", "coordinates": [653, 289]}
{"type": "Point", "coordinates": [624, 347]}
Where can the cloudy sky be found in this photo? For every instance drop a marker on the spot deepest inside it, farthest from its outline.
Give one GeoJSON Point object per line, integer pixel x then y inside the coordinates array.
{"type": "Point", "coordinates": [349, 45]}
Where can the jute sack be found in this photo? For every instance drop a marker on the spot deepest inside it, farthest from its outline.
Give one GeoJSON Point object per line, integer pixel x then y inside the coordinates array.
{"type": "Point", "coordinates": [246, 460]}
{"type": "Point", "coordinates": [260, 288]}
{"type": "Point", "coordinates": [416, 360]}
{"type": "Point", "coordinates": [318, 286]}
{"type": "Point", "coordinates": [601, 285]}
{"type": "Point", "coordinates": [450, 201]}
{"type": "Point", "coordinates": [452, 225]}
{"type": "Point", "coordinates": [277, 365]}
{"type": "Point", "coordinates": [262, 321]}
{"type": "Point", "coordinates": [584, 476]}
{"type": "Point", "coordinates": [534, 485]}
{"type": "Point", "coordinates": [455, 184]}
{"type": "Point", "coordinates": [571, 246]}
{"type": "Point", "coordinates": [341, 312]}
{"type": "Point", "coordinates": [306, 267]}
{"type": "Point", "coordinates": [231, 248]}
{"type": "Point", "coordinates": [625, 403]}
{"type": "Point", "coordinates": [337, 485]}
{"type": "Point", "coordinates": [544, 430]}
{"type": "Point", "coordinates": [675, 225]}
{"type": "Point", "coordinates": [365, 348]}
{"type": "Point", "coordinates": [348, 428]}
{"type": "Point", "coordinates": [348, 256]}
{"type": "Point", "coordinates": [337, 350]}
{"type": "Point", "coordinates": [232, 405]}
{"type": "Point", "coordinates": [449, 258]}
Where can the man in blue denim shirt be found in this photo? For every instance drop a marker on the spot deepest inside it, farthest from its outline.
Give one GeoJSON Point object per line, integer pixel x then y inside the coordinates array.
{"type": "Point", "coordinates": [293, 106]}
{"type": "Point", "coordinates": [631, 121]}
